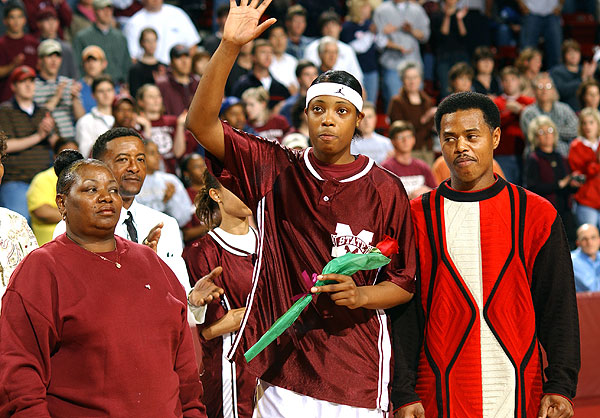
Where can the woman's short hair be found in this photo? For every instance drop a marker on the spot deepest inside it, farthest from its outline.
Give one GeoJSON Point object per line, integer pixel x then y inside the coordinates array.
{"type": "Point", "coordinates": [535, 125]}
{"type": "Point", "coordinates": [582, 90]}
{"type": "Point", "coordinates": [461, 69]}
{"type": "Point", "coordinates": [522, 61]}
{"type": "Point", "coordinates": [404, 66]}
{"type": "Point", "coordinates": [259, 94]}
{"type": "Point", "coordinates": [101, 79]}
{"type": "Point", "coordinates": [591, 112]}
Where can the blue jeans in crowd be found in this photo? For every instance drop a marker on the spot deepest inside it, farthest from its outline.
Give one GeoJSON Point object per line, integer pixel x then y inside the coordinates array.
{"type": "Point", "coordinates": [13, 196]}
{"type": "Point", "coordinates": [371, 84]}
{"type": "Point", "coordinates": [587, 215]}
{"type": "Point", "coordinates": [391, 86]}
{"type": "Point", "coordinates": [547, 26]}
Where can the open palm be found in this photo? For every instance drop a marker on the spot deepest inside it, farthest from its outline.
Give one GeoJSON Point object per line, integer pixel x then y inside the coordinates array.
{"type": "Point", "coordinates": [242, 22]}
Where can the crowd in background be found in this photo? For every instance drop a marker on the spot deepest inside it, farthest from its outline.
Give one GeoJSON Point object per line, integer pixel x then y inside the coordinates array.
{"type": "Point", "coordinates": [69, 71]}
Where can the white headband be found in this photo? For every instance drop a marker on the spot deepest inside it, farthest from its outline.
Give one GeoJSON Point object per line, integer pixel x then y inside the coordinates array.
{"type": "Point", "coordinates": [337, 90]}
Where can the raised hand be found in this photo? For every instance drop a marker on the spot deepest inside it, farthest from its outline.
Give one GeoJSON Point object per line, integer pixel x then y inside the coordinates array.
{"type": "Point", "coordinates": [242, 24]}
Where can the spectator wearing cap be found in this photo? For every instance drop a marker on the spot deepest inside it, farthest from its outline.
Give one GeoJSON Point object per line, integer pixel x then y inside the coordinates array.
{"type": "Point", "coordinates": [61, 7]}
{"type": "Point", "coordinates": [59, 94]}
{"type": "Point", "coordinates": [94, 65]}
{"type": "Point", "coordinates": [30, 131]}
{"type": "Point", "coordinates": [179, 84]}
{"type": "Point", "coordinates": [147, 68]}
{"type": "Point", "coordinates": [111, 40]}
{"type": "Point", "coordinates": [295, 25]}
{"type": "Point", "coordinates": [124, 112]}
{"type": "Point", "coordinates": [171, 23]}
{"type": "Point", "coordinates": [330, 25]}
{"type": "Point", "coordinates": [47, 22]}
{"type": "Point", "coordinates": [232, 111]}
{"type": "Point", "coordinates": [260, 76]}
{"type": "Point", "coordinates": [99, 119]}
{"type": "Point", "coordinates": [16, 47]}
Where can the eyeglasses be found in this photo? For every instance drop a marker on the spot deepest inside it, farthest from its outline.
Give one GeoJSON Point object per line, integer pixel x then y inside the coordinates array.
{"type": "Point", "coordinates": [548, 130]}
{"type": "Point", "coordinates": [542, 86]}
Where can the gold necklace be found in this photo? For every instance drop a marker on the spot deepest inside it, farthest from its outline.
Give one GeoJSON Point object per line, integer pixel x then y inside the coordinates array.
{"type": "Point", "coordinates": [116, 263]}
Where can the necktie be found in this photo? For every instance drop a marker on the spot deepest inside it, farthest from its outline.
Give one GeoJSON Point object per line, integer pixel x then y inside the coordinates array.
{"type": "Point", "coordinates": [131, 228]}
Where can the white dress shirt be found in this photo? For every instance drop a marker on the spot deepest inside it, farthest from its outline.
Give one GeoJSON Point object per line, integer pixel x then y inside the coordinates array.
{"type": "Point", "coordinates": [172, 25]}
{"type": "Point", "coordinates": [284, 70]}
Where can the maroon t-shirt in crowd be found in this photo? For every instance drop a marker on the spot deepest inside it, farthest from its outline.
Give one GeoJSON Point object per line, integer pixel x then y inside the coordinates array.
{"type": "Point", "coordinates": [414, 175]}
{"type": "Point", "coordinates": [275, 128]}
{"type": "Point", "coordinates": [206, 253]}
{"type": "Point", "coordinates": [305, 218]}
{"type": "Point", "coordinates": [9, 49]}
{"type": "Point", "coordinates": [163, 135]}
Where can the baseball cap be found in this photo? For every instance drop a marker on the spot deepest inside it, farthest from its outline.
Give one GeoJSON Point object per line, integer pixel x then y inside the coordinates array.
{"type": "Point", "coordinates": [227, 103]}
{"type": "Point", "coordinates": [179, 50]}
{"type": "Point", "coordinates": [295, 140]}
{"type": "Point", "coordinates": [101, 4]}
{"type": "Point", "coordinates": [93, 51]}
{"type": "Point", "coordinates": [46, 12]}
{"type": "Point", "coordinates": [21, 73]}
{"type": "Point", "coordinates": [121, 98]}
{"type": "Point", "coordinates": [49, 47]}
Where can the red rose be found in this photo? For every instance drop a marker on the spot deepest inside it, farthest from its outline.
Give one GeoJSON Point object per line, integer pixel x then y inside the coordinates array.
{"type": "Point", "coordinates": [388, 246]}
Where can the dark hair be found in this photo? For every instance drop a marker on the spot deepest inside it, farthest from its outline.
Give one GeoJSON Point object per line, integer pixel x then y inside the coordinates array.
{"type": "Point", "coordinates": [101, 79]}
{"type": "Point", "coordinates": [207, 210]}
{"type": "Point", "coordinates": [582, 90]}
{"type": "Point", "coordinates": [66, 166]}
{"type": "Point", "coordinates": [341, 77]}
{"type": "Point", "coordinates": [302, 65]}
{"type": "Point", "coordinates": [328, 16]}
{"type": "Point", "coordinates": [401, 126]}
{"type": "Point", "coordinates": [61, 142]}
{"type": "Point", "coordinates": [145, 31]}
{"type": "Point", "coordinates": [12, 5]}
{"type": "Point", "coordinates": [465, 101]}
{"type": "Point", "coordinates": [3, 139]}
{"type": "Point", "coordinates": [99, 147]}
{"type": "Point", "coordinates": [481, 53]}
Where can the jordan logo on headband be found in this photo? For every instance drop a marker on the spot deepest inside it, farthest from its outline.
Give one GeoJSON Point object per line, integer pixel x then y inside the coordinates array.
{"type": "Point", "coordinates": [340, 92]}
{"type": "Point", "coordinates": [335, 89]}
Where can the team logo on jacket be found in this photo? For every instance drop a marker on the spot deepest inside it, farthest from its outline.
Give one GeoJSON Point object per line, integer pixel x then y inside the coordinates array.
{"type": "Point", "coordinates": [344, 241]}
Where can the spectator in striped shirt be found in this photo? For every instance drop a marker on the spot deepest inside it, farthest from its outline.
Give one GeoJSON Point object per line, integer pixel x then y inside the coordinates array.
{"type": "Point", "coordinates": [30, 132]}
{"type": "Point", "coordinates": [59, 94]}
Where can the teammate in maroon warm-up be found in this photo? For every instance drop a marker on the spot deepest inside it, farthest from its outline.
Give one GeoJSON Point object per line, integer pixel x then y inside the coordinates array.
{"type": "Point", "coordinates": [312, 205]}
{"type": "Point", "coordinates": [231, 243]}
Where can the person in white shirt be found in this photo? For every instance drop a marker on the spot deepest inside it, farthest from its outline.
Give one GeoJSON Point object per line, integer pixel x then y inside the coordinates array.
{"type": "Point", "coordinates": [164, 191]}
{"type": "Point", "coordinates": [347, 61]}
{"type": "Point", "coordinates": [123, 152]}
{"type": "Point", "coordinates": [283, 65]}
{"type": "Point", "coordinates": [171, 23]}
{"type": "Point", "coordinates": [100, 118]}
{"type": "Point", "coordinates": [371, 144]}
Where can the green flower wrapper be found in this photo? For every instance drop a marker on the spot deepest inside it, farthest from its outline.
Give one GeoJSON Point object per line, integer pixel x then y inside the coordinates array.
{"type": "Point", "coordinates": [347, 264]}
